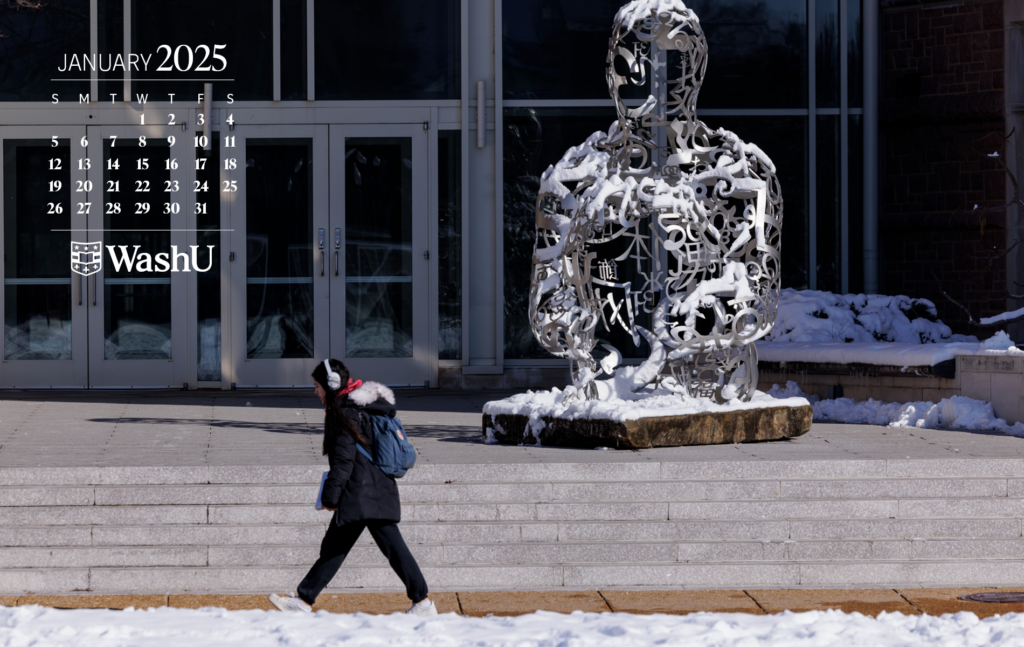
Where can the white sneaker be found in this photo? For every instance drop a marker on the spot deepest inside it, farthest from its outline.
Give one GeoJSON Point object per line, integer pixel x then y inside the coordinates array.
{"type": "Point", "coordinates": [423, 610]}
{"type": "Point", "coordinates": [289, 603]}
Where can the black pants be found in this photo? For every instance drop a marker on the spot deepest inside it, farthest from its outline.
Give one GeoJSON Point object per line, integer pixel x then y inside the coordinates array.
{"type": "Point", "coordinates": [340, 539]}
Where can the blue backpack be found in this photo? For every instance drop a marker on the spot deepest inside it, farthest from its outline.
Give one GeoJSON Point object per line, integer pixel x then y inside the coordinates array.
{"type": "Point", "coordinates": [392, 451]}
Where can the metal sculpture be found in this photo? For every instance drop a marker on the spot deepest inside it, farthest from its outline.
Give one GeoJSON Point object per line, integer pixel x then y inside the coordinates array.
{"type": "Point", "coordinates": [660, 221]}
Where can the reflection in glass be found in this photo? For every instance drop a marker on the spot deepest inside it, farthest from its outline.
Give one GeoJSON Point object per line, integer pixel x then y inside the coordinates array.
{"type": "Point", "coordinates": [826, 53]}
{"type": "Point", "coordinates": [535, 138]}
{"type": "Point", "coordinates": [829, 214]}
{"type": "Point", "coordinates": [137, 302]}
{"type": "Point", "coordinates": [757, 54]}
{"type": "Point", "coordinates": [556, 49]}
{"type": "Point", "coordinates": [208, 283]}
{"type": "Point", "coordinates": [784, 140]}
{"type": "Point", "coordinates": [279, 248]}
{"type": "Point", "coordinates": [856, 204]}
{"type": "Point", "coordinates": [449, 244]}
{"type": "Point", "coordinates": [293, 50]}
{"type": "Point", "coordinates": [245, 27]}
{"type": "Point", "coordinates": [392, 49]}
{"type": "Point", "coordinates": [854, 54]}
{"type": "Point", "coordinates": [34, 38]}
{"type": "Point", "coordinates": [110, 38]}
{"type": "Point", "coordinates": [378, 247]}
{"type": "Point", "coordinates": [37, 286]}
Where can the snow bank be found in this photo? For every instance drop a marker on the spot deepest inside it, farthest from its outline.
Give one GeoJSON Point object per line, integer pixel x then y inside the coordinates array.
{"type": "Point", "coordinates": [957, 412]}
{"type": "Point", "coordinates": [822, 327]}
{"type": "Point", "coordinates": [32, 625]}
{"type": "Point", "coordinates": [815, 316]}
{"type": "Point", "coordinates": [883, 354]}
{"type": "Point", "coordinates": [556, 404]}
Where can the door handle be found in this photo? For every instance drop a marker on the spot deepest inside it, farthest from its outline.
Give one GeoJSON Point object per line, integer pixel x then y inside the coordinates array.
{"type": "Point", "coordinates": [335, 262]}
{"type": "Point", "coordinates": [321, 262]}
{"type": "Point", "coordinates": [92, 281]}
{"type": "Point", "coordinates": [79, 288]}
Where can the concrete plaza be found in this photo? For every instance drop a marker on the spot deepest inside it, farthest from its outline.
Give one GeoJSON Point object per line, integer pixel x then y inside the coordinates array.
{"type": "Point", "coordinates": [197, 428]}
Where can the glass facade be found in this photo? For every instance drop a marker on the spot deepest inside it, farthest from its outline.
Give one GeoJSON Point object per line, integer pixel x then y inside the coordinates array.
{"type": "Point", "coordinates": [449, 244]}
{"type": "Point", "coordinates": [757, 54]}
{"type": "Point", "coordinates": [34, 39]}
{"type": "Point", "coordinates": [137, 302]}
{"type": "Point", "coordinates": [279, 248]}
{"type": "Point", "coordinates": [194, 28]}
{"type": "Point", "coordinates": [378, 247]}
{"type": "Point", "coordinates": [293, 50]}
{"type": "Point", "coordinates": [555, 49]}
{"type": "Point", "coordinates": [37, 286]}
{"type": "Point", "coordinates": [784, 74]}
{"type": "Point", "coordinates": [387, 50]}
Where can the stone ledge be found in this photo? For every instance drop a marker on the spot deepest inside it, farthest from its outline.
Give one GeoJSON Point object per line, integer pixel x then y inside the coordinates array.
{"type": "Point", "coordinates": [712, 428]}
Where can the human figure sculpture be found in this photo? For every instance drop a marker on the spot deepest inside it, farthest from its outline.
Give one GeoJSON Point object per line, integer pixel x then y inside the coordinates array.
{"type": "Point", "coordinates": [662, 221]}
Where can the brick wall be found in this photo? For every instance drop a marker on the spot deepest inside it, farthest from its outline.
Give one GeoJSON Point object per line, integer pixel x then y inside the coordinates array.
{"type": "Point", "coordinates": [941, 114]}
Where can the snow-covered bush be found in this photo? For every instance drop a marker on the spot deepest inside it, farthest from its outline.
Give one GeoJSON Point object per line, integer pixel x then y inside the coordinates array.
{"type": "Point", "coordinates": [815, 316]}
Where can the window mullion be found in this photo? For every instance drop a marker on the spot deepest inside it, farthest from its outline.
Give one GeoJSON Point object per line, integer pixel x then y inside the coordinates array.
{"type": "Point", "coordinates": [844, 149]}
{"type": "Point", "coordinates": [812, 152]}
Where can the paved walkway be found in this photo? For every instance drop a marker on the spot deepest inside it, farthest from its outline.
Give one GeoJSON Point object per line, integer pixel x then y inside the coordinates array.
{"type": "Point", "coordinates": [510, 603]}
{"type": "Point", "coordinates": [180, 428]}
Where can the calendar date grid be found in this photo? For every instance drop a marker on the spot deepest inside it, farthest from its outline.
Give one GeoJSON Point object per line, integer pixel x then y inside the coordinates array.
{"type": "Point", "coordinates": [139, 154]}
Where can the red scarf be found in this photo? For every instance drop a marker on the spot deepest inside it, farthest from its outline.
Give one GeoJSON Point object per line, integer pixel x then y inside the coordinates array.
{"type": "Point", "coordinates": [352, 386]}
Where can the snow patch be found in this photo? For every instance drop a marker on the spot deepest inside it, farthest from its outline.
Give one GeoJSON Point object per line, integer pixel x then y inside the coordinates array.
{"type": "Point", "coordinates": [816, 316]}
{"type": "Point", "coordinates": [555, 403]}
{"type": "Point", "coordinates": [212, 627]}
{"type": "Point", "coordinates": [956, 412]}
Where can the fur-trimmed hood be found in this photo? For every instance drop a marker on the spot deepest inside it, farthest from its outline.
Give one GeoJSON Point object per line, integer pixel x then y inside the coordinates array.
{"type": "Point", "coordinates": [370, 392]}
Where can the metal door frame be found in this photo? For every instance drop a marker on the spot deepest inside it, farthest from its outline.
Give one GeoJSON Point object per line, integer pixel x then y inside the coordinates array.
{"type": "Point", "coordinates": [421, 368]}
{"type": "Point", "coordinates": [54, 373]}
{"type": "Point", "coordinates": [145, 373]}
{"type": "Point", "coordinates": [237, 369]}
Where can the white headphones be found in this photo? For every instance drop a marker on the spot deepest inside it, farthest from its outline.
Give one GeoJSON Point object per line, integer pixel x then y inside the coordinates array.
{"type": "Point", "coordinates": [333, 379]}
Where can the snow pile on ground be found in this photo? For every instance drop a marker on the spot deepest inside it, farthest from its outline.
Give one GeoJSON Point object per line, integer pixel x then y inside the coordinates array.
{"type": "Point", "coordinates": [815, 316]}
{"type": "Point", "coordinates": [564, 404]}
{"type": "Point", "coordinates": [32, 625]}
{"type": "Point", "coordinates": [884, 353]}
{"type": "Point", "coordinates": [957, 412]}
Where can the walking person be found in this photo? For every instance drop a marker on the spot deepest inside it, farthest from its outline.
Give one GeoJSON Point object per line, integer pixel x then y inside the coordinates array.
{"type": "Point", "coordinates": [360, 494]}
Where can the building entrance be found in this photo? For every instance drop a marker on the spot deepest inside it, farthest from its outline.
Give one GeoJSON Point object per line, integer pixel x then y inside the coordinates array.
{"type": "Point", "coordinates": [381, 253]}
{"type": "Point", "coordinates": [98, 263]}
{"type": "Point", "coordinates": [329, 254]}
{"type": "Point", "coordinates": [323, 248]}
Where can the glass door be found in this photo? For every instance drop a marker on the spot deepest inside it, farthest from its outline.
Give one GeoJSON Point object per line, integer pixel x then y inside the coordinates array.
{"type": "Point", "coordinates": [136, 300]}
{"type": "Point", "coordinates": [380, 253]}
{"type": "Point", "coordinates": [43, 198]}
{"type": "Point", "coordinates": [278, 255]}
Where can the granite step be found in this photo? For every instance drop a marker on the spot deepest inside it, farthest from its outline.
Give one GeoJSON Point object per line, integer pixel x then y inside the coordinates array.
{"type": "Point", "coordinates": [639, 492]}
{"type": "Point", "coordinates": [602, 470]}
{"type": "Point", "coordinates": [601, 530]}
{"type": "Point", "coordinates": [536, 525]}
{"type": "Point", "coordinates": [524, 576]}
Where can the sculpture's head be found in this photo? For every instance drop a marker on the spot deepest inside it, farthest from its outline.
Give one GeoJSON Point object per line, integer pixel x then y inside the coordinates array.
{"type": "Point", "coordinates": [648, 33]}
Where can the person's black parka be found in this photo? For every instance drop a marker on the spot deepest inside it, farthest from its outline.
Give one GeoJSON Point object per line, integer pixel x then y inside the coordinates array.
{"type": "Point", "coordinates": [355, 486]}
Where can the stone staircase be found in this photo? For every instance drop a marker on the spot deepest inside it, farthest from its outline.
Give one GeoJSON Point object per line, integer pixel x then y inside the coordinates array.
{"type": "Point", "coordinates": [737, 524]}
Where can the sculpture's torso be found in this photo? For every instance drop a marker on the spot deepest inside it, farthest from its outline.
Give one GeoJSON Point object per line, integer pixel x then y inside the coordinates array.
{"type": "Point", "coordinates": [680, 248]}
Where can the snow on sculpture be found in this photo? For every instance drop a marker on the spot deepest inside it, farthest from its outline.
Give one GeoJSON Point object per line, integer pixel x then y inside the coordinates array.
{"type": "Point", "coordinates": [661, 227]}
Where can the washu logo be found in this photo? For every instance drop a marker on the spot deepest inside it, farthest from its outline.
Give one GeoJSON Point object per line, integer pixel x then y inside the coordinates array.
{"type": "Point", "coordinates": [86, 259]}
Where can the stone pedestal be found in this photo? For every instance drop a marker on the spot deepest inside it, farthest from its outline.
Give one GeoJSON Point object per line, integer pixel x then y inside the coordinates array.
{"type": "Point", "coordinates": [742, 426]}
